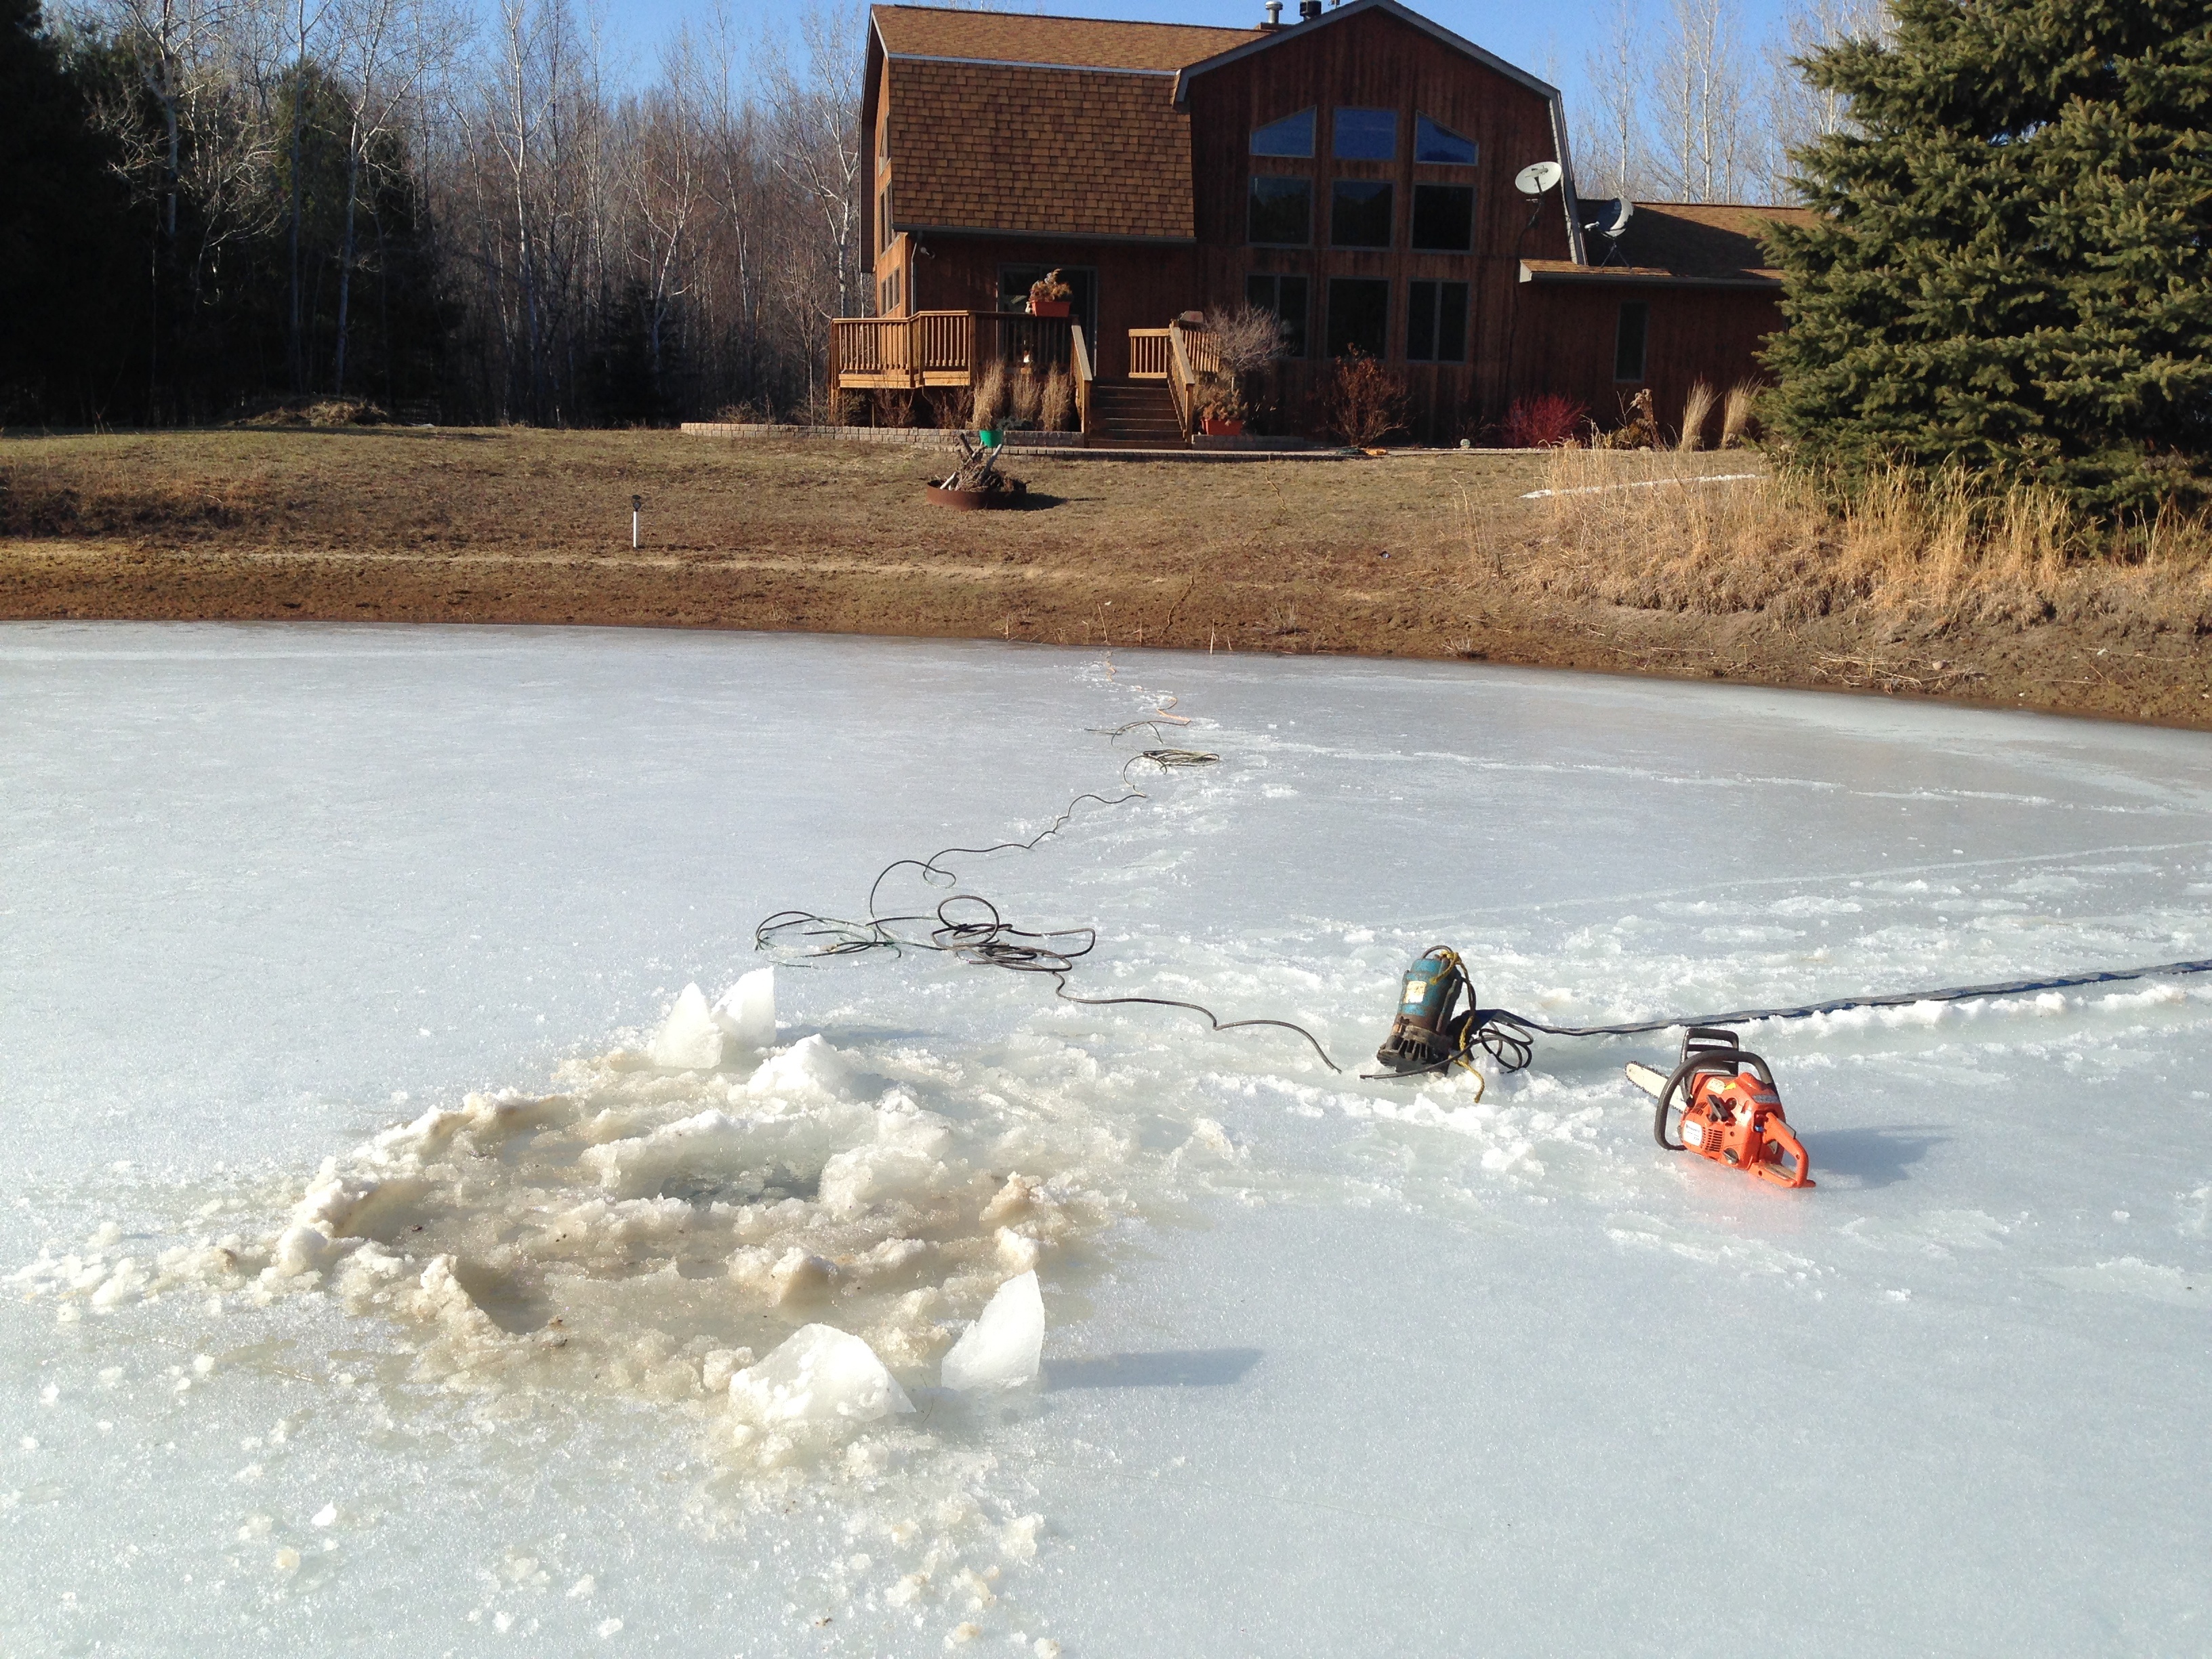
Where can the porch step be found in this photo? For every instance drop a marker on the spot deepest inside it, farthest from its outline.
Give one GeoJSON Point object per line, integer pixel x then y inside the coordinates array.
{"type": "Point", "coordinates": [1132, 414]}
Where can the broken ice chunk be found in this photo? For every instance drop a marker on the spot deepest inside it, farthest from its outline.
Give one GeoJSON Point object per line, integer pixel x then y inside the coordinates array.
{"type": "Point", "coordinates": [746, 1012]}
{"type": "Point", "coordinates": [820, 1374]}
{"type": "Point", "coordinates": [810, 1067]}
{"type": "Point", "coordinates": [1004, 1348]}
{"type": "Point", "coordinates": [689, 1039]}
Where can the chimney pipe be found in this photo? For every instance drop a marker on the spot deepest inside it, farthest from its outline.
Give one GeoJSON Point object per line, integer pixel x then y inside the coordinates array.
{"type": "Point", "coordinates": [1274, 10]}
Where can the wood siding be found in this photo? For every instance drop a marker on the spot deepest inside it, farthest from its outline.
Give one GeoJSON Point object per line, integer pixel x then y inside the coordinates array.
{"type": "Point", "coordinates": [1374, 61]}
{"type": "Point", "coordinates": [1714, 335]}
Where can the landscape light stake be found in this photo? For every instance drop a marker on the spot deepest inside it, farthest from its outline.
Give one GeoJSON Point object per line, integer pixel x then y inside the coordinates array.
{"type": "Point", "coordinates": [637, 508]}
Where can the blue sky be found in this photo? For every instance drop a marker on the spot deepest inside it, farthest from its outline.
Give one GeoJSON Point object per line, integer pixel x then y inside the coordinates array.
{"type": "Point", "coordinates": [1548, 41]}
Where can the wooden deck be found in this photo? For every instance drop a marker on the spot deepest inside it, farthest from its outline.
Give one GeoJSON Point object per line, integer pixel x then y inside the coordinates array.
{"type": "Point", "coordinates": [947, 348]}
{"type": "Point", "coordinates": [944, 348]}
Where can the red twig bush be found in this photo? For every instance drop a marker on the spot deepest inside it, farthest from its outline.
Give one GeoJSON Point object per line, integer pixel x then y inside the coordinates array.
{"type": "Point", "coordinates": [1544, 423]}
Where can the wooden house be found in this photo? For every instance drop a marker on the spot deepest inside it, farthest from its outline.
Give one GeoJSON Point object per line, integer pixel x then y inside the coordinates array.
{"type": "Point", "coordinates": [1352, 170]}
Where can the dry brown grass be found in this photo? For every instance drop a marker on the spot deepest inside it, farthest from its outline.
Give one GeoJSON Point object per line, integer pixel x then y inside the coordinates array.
{"type": "Point", "coordinates": [1419, 554]}
{"type": "Point", "coordinates": [1697, 410]}
{"type": "Point", "coordinates": [1650, 531]}
{"type": "Point", "coordinates": [1736, 416]}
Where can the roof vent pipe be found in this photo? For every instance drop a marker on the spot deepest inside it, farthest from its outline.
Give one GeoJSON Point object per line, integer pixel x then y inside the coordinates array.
{"type": "Point", "coordinates": [1274, 10]}
{"type": "Point", "coordinates": [1308, 10]}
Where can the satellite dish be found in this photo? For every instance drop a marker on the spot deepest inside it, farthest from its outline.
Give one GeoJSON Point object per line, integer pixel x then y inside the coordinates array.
{"type": "Point", "coordinates": [1536, 177]}
{"type": "Point", "coordinates": [1611, 219]}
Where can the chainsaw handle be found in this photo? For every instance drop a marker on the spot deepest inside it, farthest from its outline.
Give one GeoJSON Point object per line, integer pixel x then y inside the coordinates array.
{"type": "Point", "coordinates": [1716, 1062]}
{"type": "Point", "coordinates": [1692, 1065]}
{"type": "Point", "coordinates": [1777, 1131]}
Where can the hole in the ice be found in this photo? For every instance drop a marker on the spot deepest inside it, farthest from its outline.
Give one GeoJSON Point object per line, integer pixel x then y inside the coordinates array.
{"type": "Point", "coordinates": [1871, 1157]}
{"type": "Point", "coordinates": [1184, 1368]}
{"type": "Point", "coordinates": [507, 1302]}
{"type": "Point", "coordinates": [703, 1187]}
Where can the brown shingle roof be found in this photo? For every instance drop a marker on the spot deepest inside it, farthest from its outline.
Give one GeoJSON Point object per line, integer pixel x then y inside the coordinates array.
{"type": "Point", "coordinates": [1681, 241]}
{"type": "Point", "coordinates": [1049, 151]}
{"type": "Point", "coordinates": [1082, 42]}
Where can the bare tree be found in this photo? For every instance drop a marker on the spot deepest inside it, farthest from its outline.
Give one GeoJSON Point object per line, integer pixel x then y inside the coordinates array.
{"type": "Point", "coordinates": [816, 140]}
{"type": "Point", "coordinates": [383, 51]}
{"type": "Point", "coordinates": [1698, 89]}
{"type": "Point", "coordinates": [1795, 112]}
{"type": "Point", "coordinates": [1609, 139]}
{"type": "Point", "coordinates": [203, 165]}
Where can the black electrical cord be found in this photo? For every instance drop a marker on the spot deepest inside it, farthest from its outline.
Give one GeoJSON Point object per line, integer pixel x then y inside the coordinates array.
{"type": "Point", "coordinates": [1509, 1038]}
{"type": "Point", "coordinates": [969, 926]}
{"type": "Point", "coordinates": [2012, 988]}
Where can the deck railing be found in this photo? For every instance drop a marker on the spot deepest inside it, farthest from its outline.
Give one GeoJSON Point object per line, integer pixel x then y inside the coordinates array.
{"type": "Point", "coordinates": [1079, 365]}
{"type": "Point", "coordinates": [943, 348]}
{"type": "Point", "coordinates": [1150, 357]}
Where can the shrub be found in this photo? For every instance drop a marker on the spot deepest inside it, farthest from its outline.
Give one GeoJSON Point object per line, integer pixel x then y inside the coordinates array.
{"type": "Point", "coordinates": [1544, 423]}
{"type": "Point", "coordinates": [1364, 403]}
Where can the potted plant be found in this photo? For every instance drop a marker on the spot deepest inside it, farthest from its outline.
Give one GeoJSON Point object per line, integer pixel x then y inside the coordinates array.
{"type": "Point", "coordinates": [1245, 342]}
{"type": "Point", "coordinates": [1222, 411]}
{"type": "Point", "coordinates": [1051, 296]}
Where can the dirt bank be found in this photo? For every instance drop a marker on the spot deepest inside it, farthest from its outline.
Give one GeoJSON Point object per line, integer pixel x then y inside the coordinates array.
{"type": "Point", "coordinates": [1417, 554]}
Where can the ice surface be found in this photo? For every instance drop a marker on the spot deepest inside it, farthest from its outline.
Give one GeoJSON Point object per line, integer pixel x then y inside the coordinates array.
{"type": "Point", "coordinates": [820, 1374]}
{"type": "Point", "coordinates": [379, 1206]}
{"type": "Point", "coordinates": [1006, 1344]}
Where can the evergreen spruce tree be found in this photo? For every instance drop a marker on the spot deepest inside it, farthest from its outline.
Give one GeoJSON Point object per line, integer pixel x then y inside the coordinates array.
{"type": "Point", "coordinates": [2010, 266]}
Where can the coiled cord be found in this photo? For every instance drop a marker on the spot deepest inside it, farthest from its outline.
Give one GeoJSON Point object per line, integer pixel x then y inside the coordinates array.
{"type": "Point", "coordinates": [969, 926]}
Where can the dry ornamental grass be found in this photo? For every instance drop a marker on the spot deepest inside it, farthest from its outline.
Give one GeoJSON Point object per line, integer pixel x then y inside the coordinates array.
{"type": "Point", "coordinates": [1648, 529]}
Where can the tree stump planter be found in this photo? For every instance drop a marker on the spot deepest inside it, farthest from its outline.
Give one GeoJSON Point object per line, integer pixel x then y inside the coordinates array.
{"type": "Point", "coordinates": [976, 500]}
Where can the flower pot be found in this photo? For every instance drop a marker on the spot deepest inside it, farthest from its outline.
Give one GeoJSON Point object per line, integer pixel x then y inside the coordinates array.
{"type": "Point", "coordinates": [988, 435]}
{"type": "Point", "coordinates": [1052, 307]}
{"type": "Point", "coordinates": [1214, 426]}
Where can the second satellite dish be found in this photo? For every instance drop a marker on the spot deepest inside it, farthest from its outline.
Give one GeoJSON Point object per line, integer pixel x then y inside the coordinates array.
{"type": "Point", "coordinates": [1612, 218]}
{"type": "Point", "coordinates": [1536, 177]}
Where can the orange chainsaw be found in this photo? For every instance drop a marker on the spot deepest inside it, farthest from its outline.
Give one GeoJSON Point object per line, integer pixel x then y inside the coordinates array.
{"type": "Point", "coordinates": [1729, 1111]}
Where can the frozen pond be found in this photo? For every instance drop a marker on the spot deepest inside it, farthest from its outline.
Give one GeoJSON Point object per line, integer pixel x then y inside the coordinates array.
{"type": "Point", "coordinates": [1330, 1365]}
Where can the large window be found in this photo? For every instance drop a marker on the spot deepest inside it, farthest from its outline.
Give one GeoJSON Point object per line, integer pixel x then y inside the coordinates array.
{"type": "Point", "coordinates": [1436, 322]}
{"type": "Point", "coordinates": [1360, 213]}
{"type": "Point", "coordinates": [1630, 337]}
{"type": "Point", "coordinates": [1287, 297]}
{"type": "Point", "coordinates": [1440, 145]}
{"type": "Point", "coordinates": [1443, 218]}
{"type": "Point", "coordinates": [1366, 135]}
{"type": "Point", "coordinates": [1292, 136]}
{"type": "Point", "coordinates": [1281, 212]}
{"type": "Point", "coordinates": [1358, 315]}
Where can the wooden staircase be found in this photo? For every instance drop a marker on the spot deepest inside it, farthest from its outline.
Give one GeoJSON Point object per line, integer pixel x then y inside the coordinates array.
{"type": "Point", "coordinates": [1134, 415]}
